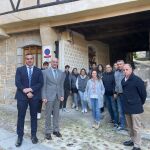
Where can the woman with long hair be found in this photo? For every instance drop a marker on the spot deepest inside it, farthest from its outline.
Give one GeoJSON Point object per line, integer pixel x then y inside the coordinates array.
{"type": "Point", "coordinates": [100, 70]}
{"type": "Point", "coordinates": [81, 85]}
{"type": "Point", "coordinates": [94, 93]}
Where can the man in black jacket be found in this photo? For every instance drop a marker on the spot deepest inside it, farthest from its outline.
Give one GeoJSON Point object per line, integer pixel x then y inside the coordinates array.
{"type": "Point", "coordinates": [134, 93]}
{"type": "Point", "coordinates": [109, 84]}
{"type": "Point", "coordinates": [67, 88]}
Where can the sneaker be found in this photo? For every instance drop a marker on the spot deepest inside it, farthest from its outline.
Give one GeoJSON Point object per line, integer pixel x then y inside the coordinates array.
{"type": "Point", "coordinates": [66, 110]}
{"type": "Point", "coordinates": [85, 110]}
{"type": "Point", "coordinates": [51, 116]}
{"type": "Point", "coordinates": [77, 108]}
{"type": "Point", "coordinates": [73, 106]}
{"type": "Point", "coordinates": [120, 128]}
{"type": "Point", "coordinates": [38, 115]}
{"type": "Point", "coordinates": [97, 125]}
{"type": "Point", "coordinates": [82, 111]}
{"type": "Point", "coordinates": [94, 125]}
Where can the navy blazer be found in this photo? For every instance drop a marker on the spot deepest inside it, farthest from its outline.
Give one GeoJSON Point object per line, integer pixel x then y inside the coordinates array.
{"type": "Point", "coordinates": [22, 82]}
{"type": "Point", "coordinates": [134, 95]}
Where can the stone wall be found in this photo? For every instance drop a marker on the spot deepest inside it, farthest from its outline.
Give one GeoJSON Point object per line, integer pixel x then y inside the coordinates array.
{"type": "Point", "coordinates": [11, 56]}
{"type": "Point", "coordinates": [25, 39]}
{"type": "Point", "coordinates": [7, 68]}
{"type": "Point", "coordinates": [74, 51]}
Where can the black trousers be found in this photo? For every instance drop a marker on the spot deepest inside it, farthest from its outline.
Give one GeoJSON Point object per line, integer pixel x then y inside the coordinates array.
{"type": "Point", "coordinates": [64, 103]}
{"type": "Point", "coordinates": [22, 106]}
{"type": "Point", "coordinates": [40, 106]}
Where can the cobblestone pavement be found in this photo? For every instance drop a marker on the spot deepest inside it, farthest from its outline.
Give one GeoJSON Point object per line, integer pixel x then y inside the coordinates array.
{"type": "Point", "coordinates": [75, 128]}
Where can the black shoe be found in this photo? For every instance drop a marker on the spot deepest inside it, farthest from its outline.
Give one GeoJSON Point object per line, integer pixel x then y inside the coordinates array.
{"type": "Point", "coordinates": [34, 139]}
{"type": "Point", "coordinates": [57, 134]}
{"type": "Point", "coordinates": [18, 142]}
{"type": "Point", "coordinates": [128, 143]}
{"type": "Point", "coordinates": [48, 136]}
{"type": "Point", "coordinates": [136, 148]}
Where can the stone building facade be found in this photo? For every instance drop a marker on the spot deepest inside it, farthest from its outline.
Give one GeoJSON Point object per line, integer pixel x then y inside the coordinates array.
{"type": "Point", "coordinates": [30, 25]}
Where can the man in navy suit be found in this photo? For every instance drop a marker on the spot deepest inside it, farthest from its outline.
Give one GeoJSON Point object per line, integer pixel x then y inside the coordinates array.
{"type": "Point", "coordinates": [29, 81]}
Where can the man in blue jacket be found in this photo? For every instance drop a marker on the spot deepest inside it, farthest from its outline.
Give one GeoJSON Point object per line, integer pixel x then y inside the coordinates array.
{"type": "Point", "coordinates": [29, 81]}
{"type": "Point", "coordinates": [134, 93]}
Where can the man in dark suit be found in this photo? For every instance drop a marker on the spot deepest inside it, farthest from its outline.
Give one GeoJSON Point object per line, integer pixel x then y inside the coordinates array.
{"type": "Point", "coordinates": [52, 94]}
{"type": "Point", "coordinates": [29, 81]}
{"type": "Point", "coordinates": [134, 93]}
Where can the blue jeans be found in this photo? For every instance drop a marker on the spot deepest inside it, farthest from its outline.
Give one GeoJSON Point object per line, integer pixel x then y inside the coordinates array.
{"type": "Point", "coordinates": [112, 108]}
{"type": "Point", "coordinates": [95, 109]}
{"type": "Point", "coordinates": [83, 101]}
{"type": "Point", "coordinates": [75, 99]}
{"type": "Point", "coordinates": [121, 111]}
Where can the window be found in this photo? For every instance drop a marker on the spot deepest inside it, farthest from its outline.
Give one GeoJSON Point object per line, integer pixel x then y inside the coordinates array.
{"type": "Point", "coordinates": [37, 52]}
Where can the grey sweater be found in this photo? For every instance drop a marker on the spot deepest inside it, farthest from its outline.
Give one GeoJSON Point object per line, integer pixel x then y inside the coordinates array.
{"type": "Point", "coordinates": [118, 78]}
{"type": "Point", "coordinates": [81, 83]}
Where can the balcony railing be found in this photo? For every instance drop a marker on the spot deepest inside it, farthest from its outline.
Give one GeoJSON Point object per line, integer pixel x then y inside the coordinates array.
{"type": "Point", "coordinates": [38, 5]}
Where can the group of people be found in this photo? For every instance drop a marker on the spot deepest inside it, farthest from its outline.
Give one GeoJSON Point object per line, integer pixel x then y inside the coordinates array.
{"type": "Point", "coordinates": [123, 93]}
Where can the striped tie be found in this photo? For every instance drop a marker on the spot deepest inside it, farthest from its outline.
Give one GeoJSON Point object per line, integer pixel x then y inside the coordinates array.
{"type": "Point", "coordinates": [29, 76]}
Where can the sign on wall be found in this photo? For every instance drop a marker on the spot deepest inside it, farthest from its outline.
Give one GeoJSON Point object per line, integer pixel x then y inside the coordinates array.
{"type": "Point", "coordinates": [47, 53]}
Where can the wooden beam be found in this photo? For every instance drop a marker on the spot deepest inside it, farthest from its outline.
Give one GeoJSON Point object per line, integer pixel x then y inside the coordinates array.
{"type": "Point", "coordinates": [117, 33]}
{"type": "Point", "coordinates": [12, 5]}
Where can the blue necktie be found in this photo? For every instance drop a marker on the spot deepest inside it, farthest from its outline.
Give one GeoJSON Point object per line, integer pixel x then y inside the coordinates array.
{"type": "Point", "coordinates": [55, 74]}
{"type": "Point", "coordinates": [30, 76]}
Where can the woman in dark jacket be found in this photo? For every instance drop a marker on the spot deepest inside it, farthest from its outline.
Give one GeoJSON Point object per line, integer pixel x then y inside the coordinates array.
{"type": "Point", "coordinates": [74, 89]}
{"type": "Point", "coordinates": [100, 71]}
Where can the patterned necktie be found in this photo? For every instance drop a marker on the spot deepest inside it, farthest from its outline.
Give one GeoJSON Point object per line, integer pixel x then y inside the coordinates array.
{"type": "Point", "coordinates": [29, 76]}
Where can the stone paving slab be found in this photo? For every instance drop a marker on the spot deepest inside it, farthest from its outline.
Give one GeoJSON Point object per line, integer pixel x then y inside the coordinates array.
{"type": "Point", "coordinates": [4, 135]}
{"type": "Point", "coordinates": [7, 142]}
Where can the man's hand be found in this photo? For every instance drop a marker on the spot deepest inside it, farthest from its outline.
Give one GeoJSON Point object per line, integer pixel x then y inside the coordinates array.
{"type": "Point", "coordinates": [44, 101]}
{"type": "Point", "coordinates": [61, 98]}
{"type": "Point", "coordinates": [29, 95]}
{"type": "Point", "coordinates": [115, 96]}
{"type": "Point", "coordinates": [27, 90]}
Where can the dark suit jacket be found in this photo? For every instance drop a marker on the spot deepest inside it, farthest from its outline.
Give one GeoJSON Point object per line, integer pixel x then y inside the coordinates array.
{"type": "Point", "coordinates": [134, 93]}
{"type": "Point", "coordinates": [22, 81]}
